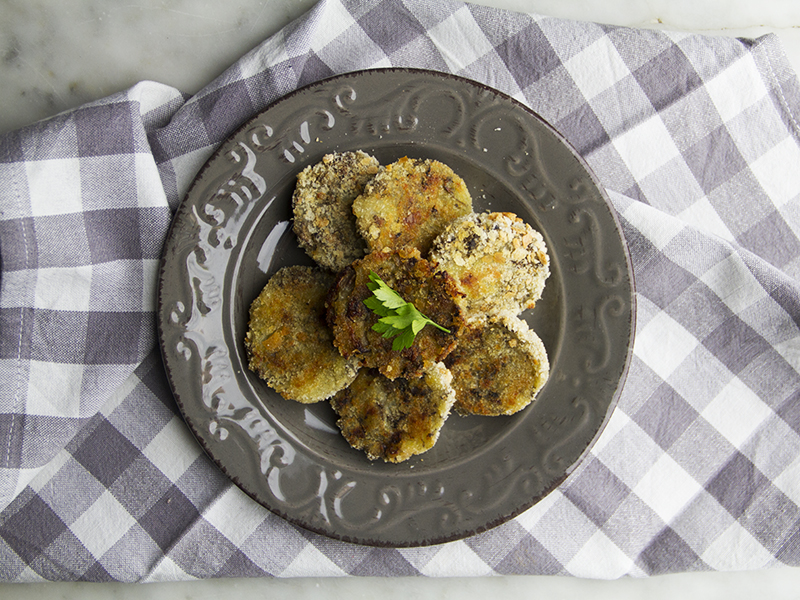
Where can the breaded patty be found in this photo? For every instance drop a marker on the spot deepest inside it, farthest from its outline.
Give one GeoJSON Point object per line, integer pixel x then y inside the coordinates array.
{"type": "Point", "coordinates": [288, 342]}
{"type": "Point", "coordinates": [410, 202]}
{"type": "Point", "coordinates": [497, 368]}
{"type": "Point", "coordinates": [500, 262]}
{"type": "Point", "coordinates": [394, 419]}
{"type": "Point", "coordinates": [322, 206]}
{"type": "Point", "coordinates": [415, 279]}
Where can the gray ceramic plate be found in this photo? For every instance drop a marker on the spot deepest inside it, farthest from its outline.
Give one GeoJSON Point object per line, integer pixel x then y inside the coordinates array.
{"type": "Point", "coordinates": [233, 231]}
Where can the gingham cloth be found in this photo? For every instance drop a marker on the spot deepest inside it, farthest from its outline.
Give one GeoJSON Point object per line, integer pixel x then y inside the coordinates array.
{"type": "Point", "coordinates": [696, 141]}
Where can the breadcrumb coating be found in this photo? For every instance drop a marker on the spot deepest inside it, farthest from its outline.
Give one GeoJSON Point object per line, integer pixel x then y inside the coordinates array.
{"type": "Point", "coordinates": [498, 368]}
{"type": "Point", "coordinates": [412, 224]}
{"type": "Point", "coordinates": [322, 205]}
{"type": "Point", "coordinates": [394, 420]}
{"type": "Point", "coordinates": [415, 279]}
{"type": "Point", "coordinates": [408, 203]}
{"type": "Point", "coordinates": [288, 342]}
{"type": "Point", "coordinates": [500, 262]}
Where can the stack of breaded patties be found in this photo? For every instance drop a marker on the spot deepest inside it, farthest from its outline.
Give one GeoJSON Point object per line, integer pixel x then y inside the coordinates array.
{"type": "Point", "coordinates": [412, 224]}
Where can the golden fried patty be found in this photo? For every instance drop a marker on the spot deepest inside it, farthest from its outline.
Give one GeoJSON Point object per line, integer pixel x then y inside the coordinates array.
{"type": "Point", "coordinates": [410, 202]}
{"type": "Point", "coordinates": [416, 280]}
{"type": "Point", "coordinates": [288, 342]}
{"type": "Point", "coordinates": [322, 206]}
{"type": "Point", "coordinates": [394, 419]}
{"type": "Point", "coordinates": [497, 368]}
{"type": "Point", "coordinates": [500, 262]}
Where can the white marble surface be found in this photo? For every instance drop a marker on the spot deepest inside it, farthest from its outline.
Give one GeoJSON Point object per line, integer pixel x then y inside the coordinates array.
{"type": "Point", "coordinates": [55, 55]}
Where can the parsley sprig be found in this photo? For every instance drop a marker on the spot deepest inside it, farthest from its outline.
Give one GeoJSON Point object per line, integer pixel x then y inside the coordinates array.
{"type": "Point", "coordinates": [398, 319]}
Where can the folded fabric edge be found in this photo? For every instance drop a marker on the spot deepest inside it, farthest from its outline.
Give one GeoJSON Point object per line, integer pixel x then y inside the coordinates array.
{"type": "Point", "coordinates": [771, 58]}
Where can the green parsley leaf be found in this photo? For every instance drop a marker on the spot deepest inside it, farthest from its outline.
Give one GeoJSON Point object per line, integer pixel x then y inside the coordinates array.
{"type": "Point", "coordinates": [376, 306]}
{"type": "Point", "coordinates": [404, 340]}
{"type": "Point", "coordinates": [399, 319]}
{"type": "Point", "coordinates": [386, 295]}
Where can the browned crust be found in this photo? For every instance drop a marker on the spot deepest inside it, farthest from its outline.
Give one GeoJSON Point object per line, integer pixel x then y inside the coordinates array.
{"type": "Point", "coordinates": [498, 368]}
{"type": "Point", "coordinates": [394, 420]}
{"type": "Point", "coordinates": [322, 206]}
{"type": "Point", "coordinates": [408, 203]}
{"type": "Point", "coordinates": [288, 342]}
{"type": "Point", "coordinates": [416, 280]}
{"type": "Point", "coordinates": [500, 262]}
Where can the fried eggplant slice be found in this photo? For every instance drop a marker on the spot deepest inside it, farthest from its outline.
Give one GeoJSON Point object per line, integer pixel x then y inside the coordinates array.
{"type": "Point", "coordinates": [498, 368]}
{"type": "Point", "coordinates": [500, 262]}
{"type": "Point", "coordinates": [288, 342]}
{"type": "Point", "coordinates": [322, 205]}
{"type": "Point", "coordinates": [394, 420]}
{"type": "Point", "coordinates": [415, 279]}
{"type": "Point", "coordinates": [410, 202]}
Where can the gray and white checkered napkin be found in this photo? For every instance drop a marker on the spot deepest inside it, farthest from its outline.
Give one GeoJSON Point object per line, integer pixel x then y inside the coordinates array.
{"type": "Point", "coordinates": [696, 140]}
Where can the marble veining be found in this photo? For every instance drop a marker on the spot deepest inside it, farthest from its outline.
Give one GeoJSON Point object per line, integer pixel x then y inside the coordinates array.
{"type": "Point", "coordinates": [57, 55]}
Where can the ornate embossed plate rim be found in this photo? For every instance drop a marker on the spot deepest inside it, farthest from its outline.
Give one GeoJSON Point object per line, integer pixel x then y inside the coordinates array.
{"type": "Point", "coordinates": [212, 446]}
